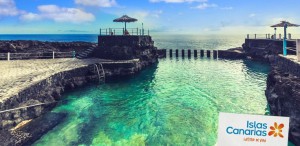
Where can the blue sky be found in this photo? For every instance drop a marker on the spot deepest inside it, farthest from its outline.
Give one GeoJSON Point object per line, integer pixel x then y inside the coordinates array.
{"type": "Point", "coordinates": [160, 16]}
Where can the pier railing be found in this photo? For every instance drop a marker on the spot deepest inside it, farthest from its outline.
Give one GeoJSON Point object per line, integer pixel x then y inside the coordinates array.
{"type": "Point", "coordinates": [271, 36]}
{"type": "Point", "coordinates": [45, 55]}
{"type": "Point", "coordinates": [122, 31]}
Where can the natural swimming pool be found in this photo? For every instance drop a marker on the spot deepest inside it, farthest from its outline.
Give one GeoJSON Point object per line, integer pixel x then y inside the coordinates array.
{"type": "Point", "coordinates": [175, 102]}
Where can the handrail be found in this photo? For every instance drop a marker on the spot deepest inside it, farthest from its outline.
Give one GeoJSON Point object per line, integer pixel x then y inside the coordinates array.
{"type": "Point", "coordinates": [96, 68]}
{"type": "Point", "coordinates": [42, 55]}
{"type": "Point", "coordinates": [278, 36]}
{"type": "Point", "coordinates": [103, 72]}
{"type": "Point", "coordinates": [34, 105]}
{"type": "Point", "coordinates": [122, 31]}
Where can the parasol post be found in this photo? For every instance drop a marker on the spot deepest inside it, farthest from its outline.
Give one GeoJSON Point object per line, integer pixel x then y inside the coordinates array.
{"type": "Point", "coordinates": [125, 26]}
{"type": "Point", "coordinates": [284, 40]}
{"type": "Point", "coordinates": [275, 33]}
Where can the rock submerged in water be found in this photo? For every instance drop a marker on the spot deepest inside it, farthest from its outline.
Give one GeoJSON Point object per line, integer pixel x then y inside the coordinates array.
{"type": "Point", "coordinates": [29, 133]}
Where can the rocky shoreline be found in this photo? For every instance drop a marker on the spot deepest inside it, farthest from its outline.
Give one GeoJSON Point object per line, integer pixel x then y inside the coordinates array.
{"type": "Point", "coordinates": [282, 92]}
{"type": "Point", "coordinates": [24, 46]}
{"type": "Point", "coordinates": [45, 93]}
{"type": "Point", "coordinates": [283, 82]}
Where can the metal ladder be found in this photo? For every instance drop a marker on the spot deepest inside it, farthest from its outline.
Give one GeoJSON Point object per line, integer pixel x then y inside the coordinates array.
{"type": "Point", "coordinates": [101, 74]}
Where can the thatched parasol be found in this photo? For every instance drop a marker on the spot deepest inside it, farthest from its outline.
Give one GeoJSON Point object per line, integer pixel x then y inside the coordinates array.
{"type": "Point", "coordinates": [285, 24]}
{"type": "Point", "coordinates": [125, 19]}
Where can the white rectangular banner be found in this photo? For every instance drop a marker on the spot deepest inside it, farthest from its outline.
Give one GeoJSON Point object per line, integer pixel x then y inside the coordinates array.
{"type": "Point", "coordinates": [252, 130]}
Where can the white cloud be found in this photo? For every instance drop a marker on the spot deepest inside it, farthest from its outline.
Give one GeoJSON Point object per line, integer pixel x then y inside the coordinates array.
{"type": "Point", "coordinates": [59, 14]}
{"type": "Point", "coordinates": [157, 13]}
{"type": "Point", "coordinates": [227, 8]}
{"type": "Point", "coordinates": [252, 15]}
{"type": "Point", "coordinates": [204, 6]}
{"type": "Point", "coordinates": [177, 1]}
{"type": "Point", "coordinates": [8, 8]}
{"type": "Point", "coordinates": [30, 17]}
{"type": "Point", "coordinates": [98, 3]}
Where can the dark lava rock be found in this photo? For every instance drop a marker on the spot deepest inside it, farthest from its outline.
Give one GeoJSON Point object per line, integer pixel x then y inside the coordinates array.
{"type": "Point", "coordinates": [162, 53]}
{"type": "Point", "coordinates": [24, 46]}
{"type": "Point", "coordinates": [32, 131]}
{"type": "Point", "coordinates": [283, 96]}
{"type": "Point", "coordinates": [234, 53]}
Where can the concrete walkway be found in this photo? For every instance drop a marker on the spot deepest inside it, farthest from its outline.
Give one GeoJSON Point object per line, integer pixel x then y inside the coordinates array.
{"type": "Point", "coordinates": [18, 75]}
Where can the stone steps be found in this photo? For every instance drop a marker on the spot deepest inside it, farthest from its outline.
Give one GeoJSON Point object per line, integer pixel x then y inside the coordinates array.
{"type": "Point", "coordinates": [85, 54]}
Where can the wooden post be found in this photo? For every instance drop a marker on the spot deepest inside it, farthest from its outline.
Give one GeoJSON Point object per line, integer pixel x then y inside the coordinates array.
{"type": "Point", "coordinates": [177, 53]}
{"type": "Point", "coordinates": [266, 36]}
{"type": "Point", "coordinates": [255, 36]}
{"type": "Point", "coordinates": [189, 53]}
{"type": "Point", "coordinates": [208, 53]}
{"type": "Point", "coordinates": [195, 53]}
{"type": "Point", "coordinates": [8, 56]}
{"type": "Point", "coordinates": [53, 55]}
{"type": "Point", "coordinates": [215, 54]}
{"type": "Point", "coordinates": [171, 53]}
{"type": "Point", "coordinates": [201, 53]}
{"type": "Point", "coordinates": [298, 49]}
{"type": "Point", "coordinates": [247, 36]}
{"type": "Point", "coordinates": [182, 53]}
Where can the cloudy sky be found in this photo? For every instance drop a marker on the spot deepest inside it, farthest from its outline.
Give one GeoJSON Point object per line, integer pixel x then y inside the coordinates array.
{"type": "Point", "coordinates": [161, 16]}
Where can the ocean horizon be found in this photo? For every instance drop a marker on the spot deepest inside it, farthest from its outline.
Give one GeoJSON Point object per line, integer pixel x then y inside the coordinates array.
{"type": "Point", "coordinates": [164, 41]}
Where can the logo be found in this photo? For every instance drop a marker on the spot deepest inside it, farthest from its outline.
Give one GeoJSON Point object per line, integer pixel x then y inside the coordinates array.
{"type": "Point", "coordinates": [252, 130]}
{"type": "Point", "coordinates": [276, 130]}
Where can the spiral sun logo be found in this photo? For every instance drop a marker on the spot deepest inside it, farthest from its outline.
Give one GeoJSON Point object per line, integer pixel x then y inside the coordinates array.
{"type": "Point", "coordinates": [276, 130]}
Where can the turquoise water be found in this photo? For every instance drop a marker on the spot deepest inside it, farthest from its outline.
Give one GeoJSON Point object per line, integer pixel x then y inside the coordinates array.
{"type": "Point", "coordinates": [175, 102]}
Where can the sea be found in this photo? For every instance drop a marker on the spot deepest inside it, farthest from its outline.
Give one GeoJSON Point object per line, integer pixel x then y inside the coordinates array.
{"type": "Point", "coordinates": [175, 102]}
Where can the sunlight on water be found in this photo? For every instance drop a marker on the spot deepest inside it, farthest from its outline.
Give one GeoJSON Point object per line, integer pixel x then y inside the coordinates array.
{"type": "Point", "coordinates": [174, 103]}
{"type": "Point", "coordinates": [205, 42]}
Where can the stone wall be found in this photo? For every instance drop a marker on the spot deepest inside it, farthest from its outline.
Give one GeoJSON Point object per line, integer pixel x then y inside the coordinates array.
{"type": "Point", "coordinates": [46, 91]}
{"type": "Point", "coordinates": [127, 47]}
{"type": "Point", "coordinates": [261, 49]}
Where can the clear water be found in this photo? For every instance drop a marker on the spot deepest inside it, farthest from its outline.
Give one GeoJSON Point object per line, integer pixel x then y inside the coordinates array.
{"type": "Point", "coordinates": [174, 103]}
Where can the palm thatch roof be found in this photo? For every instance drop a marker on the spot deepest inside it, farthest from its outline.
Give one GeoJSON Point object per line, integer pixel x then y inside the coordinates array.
{"type": "Point", "coordinates": [285, 22]}
{"type": "Point", "coordinates": [125, 18]}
